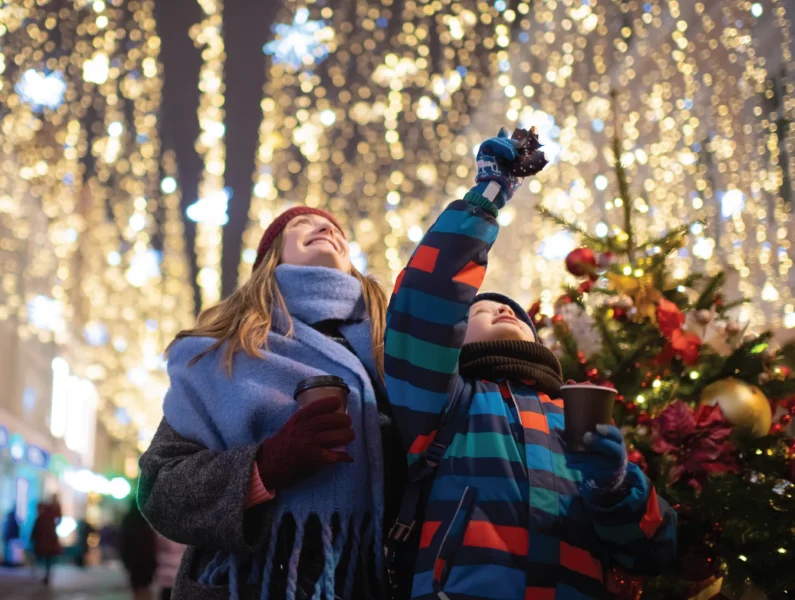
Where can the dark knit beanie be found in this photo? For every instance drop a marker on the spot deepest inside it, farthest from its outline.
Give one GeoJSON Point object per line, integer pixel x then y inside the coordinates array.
{"type": "Point", "coordinates": [280, 222]}
{"type": "Point", "coordinates": [520, 313]}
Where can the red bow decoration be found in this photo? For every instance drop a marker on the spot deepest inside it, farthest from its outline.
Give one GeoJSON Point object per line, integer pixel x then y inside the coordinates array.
{"type": "Point", "coordinates": [680, 343]}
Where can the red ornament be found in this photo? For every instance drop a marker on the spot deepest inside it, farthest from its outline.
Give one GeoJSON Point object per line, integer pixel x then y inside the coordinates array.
{"type": "Point", "coordinates": [557, 319]}
{"type": "Point", "coordinates": [776, 428]}
{"type": "Point", "coordinates": [581, 262]}
{"type": "Point", "coordinates": [592, 373]}
{"type": "Point", "coordinates": [586, 286]}
{"type": "Point", "coordinates": [534, 312]}
{"type": "Point", "coordinates": [619, 314]}
{"type": "Point", "coordinates": [631, 407]}
{"type": "Point", "coordinates": [636, 456]}
{"type": "Point", "coordinates": [785, 371]}
{"type": "Point", "coordinates": [785, 419]}
{"type": "Point", "coordinates": [607, 259]}
{"type": "Point", "coordinates": [644, 419]}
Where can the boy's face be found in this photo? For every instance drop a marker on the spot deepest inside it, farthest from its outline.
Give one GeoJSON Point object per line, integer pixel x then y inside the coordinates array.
{"type": "Point", "coordinates": [491, 321]}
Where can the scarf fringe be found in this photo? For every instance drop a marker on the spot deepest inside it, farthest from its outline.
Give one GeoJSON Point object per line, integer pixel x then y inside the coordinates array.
{"type": "Point", "coordinates": [292, 565]}
{"type": "Point", "coordinates": [351, 574]}
{"type": "Point", "coordinates": [226, 565]}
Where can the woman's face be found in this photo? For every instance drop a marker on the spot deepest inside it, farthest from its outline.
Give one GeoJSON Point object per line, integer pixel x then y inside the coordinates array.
{"type": "Point", "coordinates": [314, 241]}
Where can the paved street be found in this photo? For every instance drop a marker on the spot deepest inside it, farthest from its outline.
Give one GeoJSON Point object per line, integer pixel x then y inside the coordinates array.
{"type": "Point", "coordinates": [68, 583]}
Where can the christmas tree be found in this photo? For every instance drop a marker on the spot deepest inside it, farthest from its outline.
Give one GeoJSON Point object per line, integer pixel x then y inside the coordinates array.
{"type": "Point", "coordinates": [705, 405]}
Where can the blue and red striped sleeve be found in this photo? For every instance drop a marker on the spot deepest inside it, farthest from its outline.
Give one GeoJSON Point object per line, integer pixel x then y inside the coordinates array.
{"type": "Point", "coordinates": [427, 319]}
{"type": "Point", "coordinates": [639, 530]}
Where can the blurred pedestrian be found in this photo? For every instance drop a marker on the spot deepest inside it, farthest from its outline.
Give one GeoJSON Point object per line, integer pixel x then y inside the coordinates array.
{"type": "Point", "coordinates": [109, 542]}
{"type": "Point", "coordinates": [137, 549]}
{"type": "Point", "coordinates": [10, 534]}
{"type": "Point", "coordinates": [169, 555]}
{"type": "Point", "coordinates": [46, 545]}
{"type": "Point", "coordinates": [84, 531]}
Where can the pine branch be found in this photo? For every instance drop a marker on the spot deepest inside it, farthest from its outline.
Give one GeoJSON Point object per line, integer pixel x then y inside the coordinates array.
{"type": "Point", "coordinates": [734, 304]}
{"type": "Point", "coordinates": [746, 362]}
{"type": "Point", "coordinates": [642, 347]}
{"type": "Point", "coordinates": [658, 260]}
{"type": "Point", "coordinates": [692, 279]}
{"type": "Point", "coordinates": [778, 389]}
{"type": "Point", "coordinates": [608, 338]}
{"type": "Point", "coordinates": [671, 238]}
{"type": "Point", "coordinates": [788, 352]}
{"type": "Point", "coordinates": [707, 297]}
{"type": "Point", "coordinates": [601, 245]}
{"type": "Point", "coordinates": [570, 361]}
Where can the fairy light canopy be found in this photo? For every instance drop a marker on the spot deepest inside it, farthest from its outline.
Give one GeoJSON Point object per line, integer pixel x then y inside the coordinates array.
{"type": "Point", "coordinates": [381, 117]}
{"type": "Point", "coordinates": [92, 237]}
{"type": "Point", "coordinates": [374, 109]}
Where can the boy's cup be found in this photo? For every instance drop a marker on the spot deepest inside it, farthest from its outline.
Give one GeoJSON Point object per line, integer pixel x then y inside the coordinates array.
{"type": "Point", "coordinates": [584, 407]}
{"type": "Point", "coordinates": [312, 389]}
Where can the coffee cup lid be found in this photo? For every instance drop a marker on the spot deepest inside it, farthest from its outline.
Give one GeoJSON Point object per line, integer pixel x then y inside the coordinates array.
{"type": "Point", "coordinates": [587, 386]}
{"type": "Point", "coordinates": [320, 381]}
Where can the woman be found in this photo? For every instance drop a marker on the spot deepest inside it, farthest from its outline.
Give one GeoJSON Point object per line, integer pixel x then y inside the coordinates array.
{"type": "Point", "coordinates": [250, 483]}
{"type": "Point", "coordinates": [46, 545]}
{"type": "Point", "coordinates": [137, 550]}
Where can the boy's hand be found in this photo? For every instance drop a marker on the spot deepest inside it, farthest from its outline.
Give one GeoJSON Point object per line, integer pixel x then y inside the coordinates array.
{"type": "Point", "coordinates": [604, 464]}
{"type": "Point", "coordinates": [494, 165]}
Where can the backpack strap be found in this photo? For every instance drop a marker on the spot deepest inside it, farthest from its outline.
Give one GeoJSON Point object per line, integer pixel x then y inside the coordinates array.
{"type": "Point", "coordinates": [425, 468]}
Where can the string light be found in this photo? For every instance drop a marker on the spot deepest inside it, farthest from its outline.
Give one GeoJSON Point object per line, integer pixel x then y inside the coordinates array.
{"type": "Point", "coordinates": [693, 146]}
{"type": "Point", "coordinates": [209, 211]}
{"type": "Point", "coordinates": [371, 123]}
{"type": "Point", "coordinates": [82, 214]}
{"type": "Point", "coordinates": [383, 131]}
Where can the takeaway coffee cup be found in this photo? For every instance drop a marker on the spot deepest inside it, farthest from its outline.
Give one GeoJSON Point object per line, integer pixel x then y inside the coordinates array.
{"type": "Point", "coordinates": [584, 407]}
{"type": "Point", "coordinates": [312, 389]}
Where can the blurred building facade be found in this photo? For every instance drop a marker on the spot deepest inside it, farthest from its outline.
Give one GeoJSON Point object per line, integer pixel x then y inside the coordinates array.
{"type": "Point", "coordinates": [93, 273]}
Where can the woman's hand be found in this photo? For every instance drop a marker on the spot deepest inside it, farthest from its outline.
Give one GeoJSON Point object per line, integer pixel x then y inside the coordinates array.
{"type": "Point", "coordinates": [305, 444]}
{"type": "Point", "coordinates": [494, 160]}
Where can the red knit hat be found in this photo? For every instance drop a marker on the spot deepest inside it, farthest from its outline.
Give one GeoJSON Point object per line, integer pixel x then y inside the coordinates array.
{"type": "Point", "coordinates": [280, 222]}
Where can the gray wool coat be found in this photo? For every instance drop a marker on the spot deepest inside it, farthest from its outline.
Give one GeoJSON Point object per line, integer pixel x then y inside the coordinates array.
{"type": "Point", "coordinates": [196, 497]}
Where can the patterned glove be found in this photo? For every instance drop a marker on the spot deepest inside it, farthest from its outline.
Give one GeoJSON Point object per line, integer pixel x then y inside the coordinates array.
{"type": "Point", "coordinates": [494, 165]}
{"type": "Point", "coordinates": [305, 444]}
{"type": "Point", "coordinates": [604, 464]}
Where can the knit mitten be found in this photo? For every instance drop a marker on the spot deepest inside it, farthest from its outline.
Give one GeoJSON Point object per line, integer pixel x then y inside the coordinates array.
{"type": "Point", "coordinates": [603, 464]}
{"type": "Point", "coordinates": [494, 160]}
{"type": "Point", "coordinates": [304, 444]}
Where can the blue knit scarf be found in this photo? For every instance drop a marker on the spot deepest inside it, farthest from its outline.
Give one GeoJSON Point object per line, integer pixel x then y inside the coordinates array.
{"type": "Point", "coordinates": [206, 406]}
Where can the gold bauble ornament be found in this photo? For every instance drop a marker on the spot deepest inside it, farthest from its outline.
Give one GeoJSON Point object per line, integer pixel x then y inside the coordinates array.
{"type": "Point", "coordinates": [742, 405]}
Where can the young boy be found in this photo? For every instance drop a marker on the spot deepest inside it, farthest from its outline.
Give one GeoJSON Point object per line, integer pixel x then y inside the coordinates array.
{"type": "Point", "coordinates": [510, 514]}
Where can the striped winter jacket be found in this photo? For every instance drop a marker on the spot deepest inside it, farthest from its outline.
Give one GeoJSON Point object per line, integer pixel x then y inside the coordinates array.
{"type": "Point", "coordinates": [505, 519]}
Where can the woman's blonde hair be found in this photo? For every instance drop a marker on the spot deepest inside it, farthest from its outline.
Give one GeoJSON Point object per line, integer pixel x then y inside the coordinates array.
{"type": "Point", "coordinates": [244, 319]}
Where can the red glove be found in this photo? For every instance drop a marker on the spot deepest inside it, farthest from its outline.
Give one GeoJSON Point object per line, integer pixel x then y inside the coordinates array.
{"type": "Point", "coordinates": [303, 445]}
